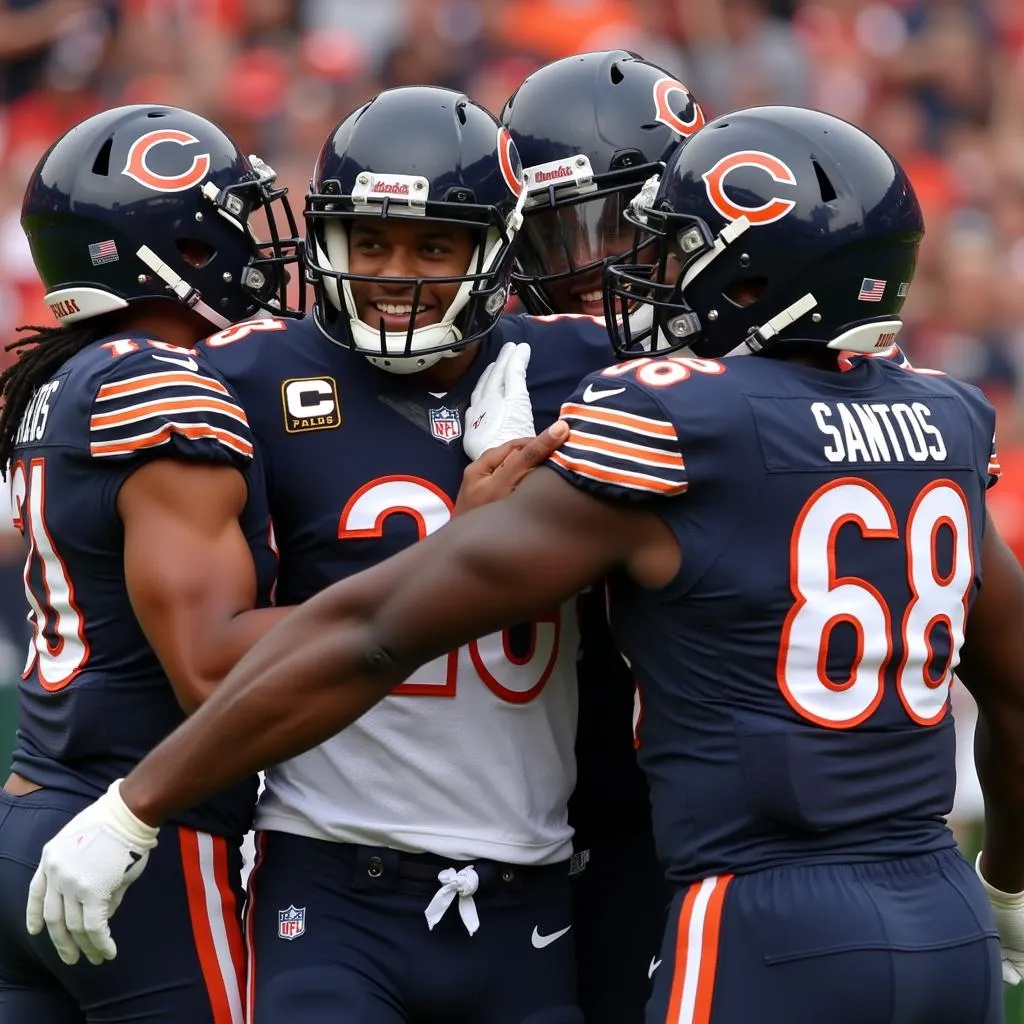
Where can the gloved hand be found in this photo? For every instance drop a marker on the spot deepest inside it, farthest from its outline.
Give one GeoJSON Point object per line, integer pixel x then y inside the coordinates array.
{"type": "Point", "coordinates": [1009, 911]}
{"type": "Point", "coordinates": [499, 408]}
{"type": "Point", "coordinates": [83, 874]}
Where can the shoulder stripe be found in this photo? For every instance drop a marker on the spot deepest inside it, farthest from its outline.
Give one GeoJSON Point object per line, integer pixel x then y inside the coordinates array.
{"type": "Point", "coordinates": [128, 445]}
{"type": "Point", "coordinates": [624, 420]}
{"type": "Point", "coordinates": [643, 454]}
{"type": "Point", "coordinates": [172, 406]}
{"type": "Point", "coordinates": [160, 379]}
{"type": "Point", "coordinates": [605, 474]}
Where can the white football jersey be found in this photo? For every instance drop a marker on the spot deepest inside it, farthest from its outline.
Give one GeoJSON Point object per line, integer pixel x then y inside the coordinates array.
{"type": "Point", "coordinates": [472, 757]}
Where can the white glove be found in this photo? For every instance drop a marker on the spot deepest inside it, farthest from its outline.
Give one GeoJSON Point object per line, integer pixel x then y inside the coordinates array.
{"type": "Point", "coordinates": [499, 408]}
{"type": "Point", "coordinates": [83, 874]}
{"type": "Point", "coordinates": [1008, 908]}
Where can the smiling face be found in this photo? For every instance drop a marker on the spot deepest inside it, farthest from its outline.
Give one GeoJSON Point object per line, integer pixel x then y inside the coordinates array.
{"type": "Point", "coordinates": [569, 244]}
{"type": "Point", "coordinates": [406, 249]}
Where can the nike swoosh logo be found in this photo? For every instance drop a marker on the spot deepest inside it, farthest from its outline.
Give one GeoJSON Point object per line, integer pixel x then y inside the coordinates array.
{"type": "Point", "coordinates": [590, 395]}
{"type": "Point", "coordinates": [540, 941]}
{"type": "Point", "coordinates": [186, 362]}
{"type": "Point", "coordinates": [655, 964]}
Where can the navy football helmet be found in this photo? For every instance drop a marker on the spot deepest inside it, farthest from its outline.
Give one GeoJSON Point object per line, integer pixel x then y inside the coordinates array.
{"type": "Point", "coordinates": [775, 226]}
{"type": "Point", "coordinates": [154, 202]}
{"type": "Point", "coordinates": [590, 130]}
{"type": "Point", "coordinates": [415, 152]}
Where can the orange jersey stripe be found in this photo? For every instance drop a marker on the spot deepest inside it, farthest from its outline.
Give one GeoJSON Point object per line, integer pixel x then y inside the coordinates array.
{"type": "Point", "coordinates": [143, 410]}
{"type": "Point", "coordinates": [633, 481]}
{"type": "Point", "coordinates": [163, 435]}
{"type": "Point", "coordinates": [625, 449]}
{"type": "Point", "coordinates": [626, 420]}
{"type": "Point", "coordinates": [135, 385]}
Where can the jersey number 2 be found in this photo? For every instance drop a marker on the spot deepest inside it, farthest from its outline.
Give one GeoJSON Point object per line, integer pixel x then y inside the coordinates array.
{"type": "Point", "coordinates": [58, 650]}
{"type": "Point", "coordinates": [514, 678]}
{"type": "Point", "coordinates": [824, 600]}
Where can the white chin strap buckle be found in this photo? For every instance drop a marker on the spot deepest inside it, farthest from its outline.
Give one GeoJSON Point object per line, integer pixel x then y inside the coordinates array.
{"type": "Point", "coordinates": [759, 336]}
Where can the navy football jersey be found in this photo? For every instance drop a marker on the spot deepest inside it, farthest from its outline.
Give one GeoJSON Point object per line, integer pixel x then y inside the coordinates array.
{"type": "Point", "coordinates": [328, 424]}
{"type": "Point", "coordinates": [795, 673]}
{"type": "Point", "coordinates": [94, 698]}
{"type": "Point", "coordinates": [472, 756]}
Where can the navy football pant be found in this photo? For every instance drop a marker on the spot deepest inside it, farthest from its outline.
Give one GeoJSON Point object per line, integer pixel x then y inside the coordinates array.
{"type": "Point", "coordinates": [180, 955]}
{"type": "Point", "coordinates": [909, 941]}
{"type": "Point", "coordinates": [620, 902]}
{"type": "Point", "coordinates": [337, 932]}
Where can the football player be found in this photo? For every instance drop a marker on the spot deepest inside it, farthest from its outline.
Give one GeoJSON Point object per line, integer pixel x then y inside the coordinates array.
{"type": "Point", "coordinates": [797, 552]}
{"type": "Point", "coordinates": [397, 863]}
{"type": "Point", "coordinates": [134, 484]}
{"type": "Point", "coordinates": [590, 130]}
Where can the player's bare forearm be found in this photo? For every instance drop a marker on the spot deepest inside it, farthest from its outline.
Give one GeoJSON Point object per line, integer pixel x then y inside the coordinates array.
{"type": "Point", "coordinates": [993, 649]}
{"type": "Point", "coordinates": [284, 697]}
{"type": "Point", "coordinates": [346, 648]}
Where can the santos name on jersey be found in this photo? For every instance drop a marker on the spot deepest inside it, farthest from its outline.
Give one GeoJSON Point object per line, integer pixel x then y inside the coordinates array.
{"type": "Point", "coordinates": [473, 755]}
{"type": "Point", "coordinates": [826, 520]}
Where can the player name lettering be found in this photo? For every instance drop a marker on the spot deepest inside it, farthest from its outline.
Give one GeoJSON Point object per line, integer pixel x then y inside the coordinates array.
{"type": "Point", "coordinates": [562, 171]}
{"type": "Point", "coordinates": [879, 432]}
{"type": "Point", "coordinates": [33, 423]}
{"type": "Point", "coordinates": [392, 188]}
{"type": "Point", "coordinates": [64, 307]}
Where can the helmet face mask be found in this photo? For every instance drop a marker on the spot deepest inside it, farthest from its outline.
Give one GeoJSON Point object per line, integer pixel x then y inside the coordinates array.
{"type": "Point", "coordinates": [567, 241]}
{"type": "Point", "coordinates": [147, 203]}
{"type": "Point", "coordinates": [775, 226]}
{"type": "Point", "coordinates": [423, 156]}
{"type": "Point", "coordinates": [591, 129]}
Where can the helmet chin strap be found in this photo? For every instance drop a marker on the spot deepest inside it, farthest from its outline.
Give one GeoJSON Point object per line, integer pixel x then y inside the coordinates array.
{"type": "Point", "coordinates": [182, 290]}
{"type": "Point", "coordinates": [759, 336]}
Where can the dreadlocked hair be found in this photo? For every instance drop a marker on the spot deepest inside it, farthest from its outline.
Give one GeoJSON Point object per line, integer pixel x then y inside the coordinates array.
{"type": "Point", "coordinates": [39, 357]}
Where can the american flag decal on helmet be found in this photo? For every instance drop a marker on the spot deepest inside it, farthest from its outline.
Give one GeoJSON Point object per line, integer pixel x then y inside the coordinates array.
{"type": "Point", "coordinates": [103, 252]}
{"type": "Point", "coordinates": [871, 290]}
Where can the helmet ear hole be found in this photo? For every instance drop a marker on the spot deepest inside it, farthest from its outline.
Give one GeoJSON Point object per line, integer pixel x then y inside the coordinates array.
{"type": "Point", "coordinates": [745, 291]}
{"type": "Point", "coordinates": [194, 252]}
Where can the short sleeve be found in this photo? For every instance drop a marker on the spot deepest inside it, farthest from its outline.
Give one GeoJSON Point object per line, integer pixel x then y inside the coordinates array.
{"type": "Point", "coordinates": [160, 405]}
{"type": "Point", "coordinates": [621, 443]}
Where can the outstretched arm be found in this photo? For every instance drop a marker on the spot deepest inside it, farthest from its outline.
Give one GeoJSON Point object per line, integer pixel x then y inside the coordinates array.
{"type": "Point", "coordinates": [992, 668]}
{"type": "Point", "coordinates": [346, 648]}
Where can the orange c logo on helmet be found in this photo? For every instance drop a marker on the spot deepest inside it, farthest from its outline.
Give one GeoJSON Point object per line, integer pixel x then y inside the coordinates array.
{"type": "Point", "coordinates": [766, 213]}
{"type": "Point", "coordinates": [509, 162]}
{"type": "Point", "coordinates": [137, 166]}
{"type": "Point", "coordinates": [663, 89]}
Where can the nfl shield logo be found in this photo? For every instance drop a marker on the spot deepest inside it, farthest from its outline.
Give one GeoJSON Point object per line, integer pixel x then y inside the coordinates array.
{"type": "Point", "coordinates": [291, 923]}
{"type": "Point", "coordinates": [445, 424]}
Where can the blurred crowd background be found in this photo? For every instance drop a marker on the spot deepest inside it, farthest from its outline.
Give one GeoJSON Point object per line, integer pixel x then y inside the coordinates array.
{"type": "Point", "coordinates": [939, 82]}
